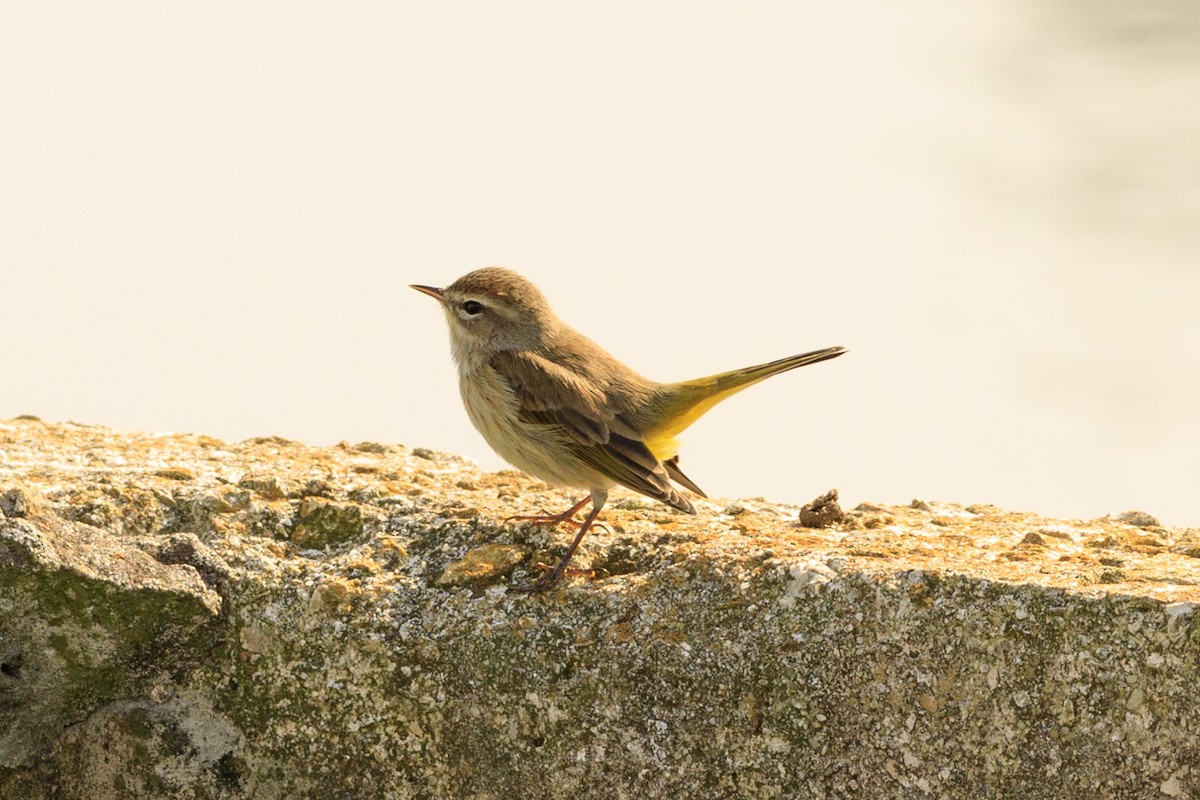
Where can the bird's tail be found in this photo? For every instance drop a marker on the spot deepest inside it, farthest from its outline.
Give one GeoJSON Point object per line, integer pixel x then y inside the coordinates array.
{"type": "Point", "coordinates": [685, 402]}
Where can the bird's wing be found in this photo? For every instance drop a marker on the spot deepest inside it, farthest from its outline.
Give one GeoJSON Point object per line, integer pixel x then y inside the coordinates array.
{"type": "Point", "coordinates": [549, 394]}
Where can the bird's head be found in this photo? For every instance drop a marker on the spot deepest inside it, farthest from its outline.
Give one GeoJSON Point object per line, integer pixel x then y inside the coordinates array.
{"type": "Point", "coordinates": [490, 310]}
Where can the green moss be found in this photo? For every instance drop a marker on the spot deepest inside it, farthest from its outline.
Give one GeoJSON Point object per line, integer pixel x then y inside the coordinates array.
{"type": "Point", "coordinates": [106, 637]}
{"type": "Point", "coordinates": [137, 723]}
{"type": "Point", "coordinates": [320, 522]}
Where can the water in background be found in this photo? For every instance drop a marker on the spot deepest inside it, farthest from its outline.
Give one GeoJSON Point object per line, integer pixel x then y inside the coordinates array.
{"type": "Point", "coordinates": [1085, 155]}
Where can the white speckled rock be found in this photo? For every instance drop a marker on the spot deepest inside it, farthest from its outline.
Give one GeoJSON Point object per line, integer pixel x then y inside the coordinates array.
{"type": "Point", "coordinates": [187, 618]}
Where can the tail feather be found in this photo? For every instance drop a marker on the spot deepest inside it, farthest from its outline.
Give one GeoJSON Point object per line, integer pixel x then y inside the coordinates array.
{"type": "Point", "coordinates": [673, 470]}
{"type": "Point", "coordinates": [742, 378]}
{"type": "Point", "coordinates": [685, 402]}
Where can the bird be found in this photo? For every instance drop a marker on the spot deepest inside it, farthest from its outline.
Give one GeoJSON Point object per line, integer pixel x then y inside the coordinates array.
{"type": "Point", "coordinates": [558, 406]}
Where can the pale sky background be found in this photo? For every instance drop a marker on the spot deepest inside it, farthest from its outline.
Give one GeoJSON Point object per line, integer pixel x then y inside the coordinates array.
{"type": "Point", "coordinates": [210, 213]}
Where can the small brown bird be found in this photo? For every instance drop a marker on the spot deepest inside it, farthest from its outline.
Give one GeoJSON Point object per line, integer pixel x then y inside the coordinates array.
{"type": "Point", "coordinates": [555, 404]}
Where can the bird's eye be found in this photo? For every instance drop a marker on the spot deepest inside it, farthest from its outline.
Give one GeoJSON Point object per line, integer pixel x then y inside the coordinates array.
{"type": "Point", "coordinates": [472, 307]}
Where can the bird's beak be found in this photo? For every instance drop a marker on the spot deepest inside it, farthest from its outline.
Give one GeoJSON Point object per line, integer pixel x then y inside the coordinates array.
{"type": "Point", "coordinates": [429, 290]}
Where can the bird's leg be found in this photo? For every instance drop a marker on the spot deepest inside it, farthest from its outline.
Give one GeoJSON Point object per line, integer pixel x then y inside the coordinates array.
{"type": "Point", "coordinates": [550, 578]}
{"type": "Point", "coordinates": [555, 519]}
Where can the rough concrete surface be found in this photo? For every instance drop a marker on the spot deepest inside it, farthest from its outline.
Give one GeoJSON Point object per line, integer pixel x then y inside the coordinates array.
{"type": "Point", "coordinates": [182, 617]}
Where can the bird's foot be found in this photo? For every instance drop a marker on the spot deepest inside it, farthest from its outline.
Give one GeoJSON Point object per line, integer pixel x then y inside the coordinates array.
{"type": "Point", "coordinates": [552, 520]}
{"type": "Point", "coordinates": [540, 585]}
{"type": "Point", "coordinates": [552, 576]}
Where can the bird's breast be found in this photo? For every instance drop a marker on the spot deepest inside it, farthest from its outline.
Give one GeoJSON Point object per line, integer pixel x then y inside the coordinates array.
{"type": "Point", "coordinates": [539, 450]}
